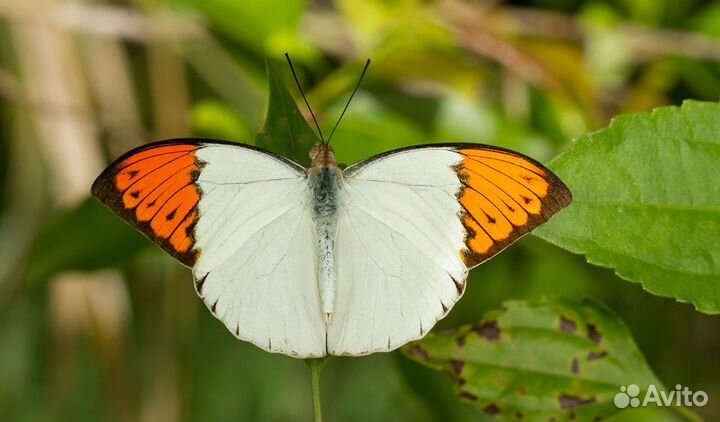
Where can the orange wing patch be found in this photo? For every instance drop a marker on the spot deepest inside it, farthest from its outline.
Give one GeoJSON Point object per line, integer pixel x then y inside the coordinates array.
{"type": "Point", "coordinates": [154, 152]}
{"type": "Point", "coordinates": [504, 196]}
{"type": "Point", "coordinates": [154, 190]}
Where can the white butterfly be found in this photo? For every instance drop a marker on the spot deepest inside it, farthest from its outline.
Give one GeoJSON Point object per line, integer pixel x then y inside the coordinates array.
{"type": "Point", "coordinates": [320, 261]}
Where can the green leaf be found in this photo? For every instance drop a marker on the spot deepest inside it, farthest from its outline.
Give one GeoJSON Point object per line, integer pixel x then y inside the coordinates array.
{"type": "Point", "coordinates": [286, 132]}
{"type": "Point", "coordinates": [214, 119]}
{"type": "Point", "coordinates": [87, 238]}
{"type": "Point", "coordinates": [707, 20]}
{"type": "Point", "coordinates": [263, 26]}
{"type": "Point", "coordinates": [370, 128]}
{"type": "Point", "coordinates": [647, 201]}
{"type": "Point", "coordinates": [539, 361]}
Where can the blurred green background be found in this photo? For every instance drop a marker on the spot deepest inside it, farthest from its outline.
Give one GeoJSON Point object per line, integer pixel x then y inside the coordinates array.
{"type": "Point", "coordinates": [97, 324]}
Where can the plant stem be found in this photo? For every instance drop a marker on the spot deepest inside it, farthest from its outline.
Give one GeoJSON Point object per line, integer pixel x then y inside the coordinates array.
{"type": "Point", "coordinates": [315, 368]}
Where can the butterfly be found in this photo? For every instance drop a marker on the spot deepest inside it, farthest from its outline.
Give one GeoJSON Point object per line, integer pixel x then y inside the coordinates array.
{"type": "Point", "coordinates": [321, 261]}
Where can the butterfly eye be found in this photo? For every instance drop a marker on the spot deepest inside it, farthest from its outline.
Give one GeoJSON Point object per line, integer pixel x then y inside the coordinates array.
{"type": "Point", "coordinates": [315, 150]}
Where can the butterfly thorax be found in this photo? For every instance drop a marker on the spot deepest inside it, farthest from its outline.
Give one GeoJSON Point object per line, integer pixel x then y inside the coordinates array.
{"type": "Point", "coordinates": [324, 178]}
{"type": "Point", "coordinates": [322, 156]}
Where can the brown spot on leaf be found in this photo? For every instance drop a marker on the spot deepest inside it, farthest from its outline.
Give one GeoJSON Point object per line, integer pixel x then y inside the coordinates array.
{"type": "Point", "coordinates": [461, 381]}
{"type": "Point", "coordinates": [567, 325]}
{"type": "Point", "coordinates": [575, 366]}
{"type": "Point", "coordinates": [568, 401]}
{"type": "Point", "coordinates": [491, 409]}
{"type": "Point", "coordinates": [457, 366]}
{"type": "Point", "coordinates": [597, 418]}
{"type": "Point", "coordinates": [419, 352]}
{"type": "Point", "coordinates": [594, 334]}
{"type": "Point", "coordinates": [522, 391]}
{"type": "Point", "coordinates": [467, 396]}
{"type": "Point", "coordinates": [519, 415]}
{"type": "Point", "coordinates": [460, 341]}
{"type": "Point", "coordinates": [572, 415]}
{"type": "Point", "coordinates": [488, 330]}
{"type": "Point", "coordinates": [595, 356]}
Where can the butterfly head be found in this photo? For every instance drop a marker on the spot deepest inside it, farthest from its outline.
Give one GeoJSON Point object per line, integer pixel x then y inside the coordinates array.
{"type": "Point", "coordinates": [322, 155]}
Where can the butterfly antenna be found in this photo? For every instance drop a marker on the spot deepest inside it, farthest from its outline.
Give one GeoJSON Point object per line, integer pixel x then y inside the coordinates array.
{"type": "Point", "coordinates": [287, 56]}
{"type": "Point", "coordinates": [362, 75]}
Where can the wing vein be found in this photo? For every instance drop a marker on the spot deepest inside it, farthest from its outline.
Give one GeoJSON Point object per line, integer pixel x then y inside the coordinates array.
{"type": "Point", "coordinates": [477, 159]}
{"type": "Point", "coordinates": [154, 170]}
{"type": "Point", "coordinates": [498, 187]}
{"type": "Point", "coordinates": [508, 178]}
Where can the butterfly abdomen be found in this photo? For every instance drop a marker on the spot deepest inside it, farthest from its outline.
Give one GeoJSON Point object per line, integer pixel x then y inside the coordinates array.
{"type": "Point", "coordinates": [324, 190]}
{"type": "Point", "coordinates": [325, 204]}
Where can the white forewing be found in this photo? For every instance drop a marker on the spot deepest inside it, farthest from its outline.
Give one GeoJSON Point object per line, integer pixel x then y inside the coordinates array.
{"type": "Point", "coordinates": [257, 269]}
{"type": "Point", "coordinates": [399, 267]}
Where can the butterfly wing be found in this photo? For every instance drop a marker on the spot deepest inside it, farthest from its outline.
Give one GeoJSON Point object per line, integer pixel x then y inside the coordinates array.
{"type": "Point", "coordinates": [412, 223]}
{"type": "Point", "coordinates": [239, 217]}
{"type": "Point", "coordinates": [154, 189]}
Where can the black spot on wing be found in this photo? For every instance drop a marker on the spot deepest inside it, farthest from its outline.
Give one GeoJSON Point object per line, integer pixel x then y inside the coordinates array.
{"type": "Point", "coordinates": [199, 284]}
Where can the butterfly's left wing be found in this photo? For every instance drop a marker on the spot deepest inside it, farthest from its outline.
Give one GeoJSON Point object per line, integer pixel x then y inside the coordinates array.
{"type": "Point", "coordinates": [239, 217]}
{"type": "Point", "coordinates": [412, 222]}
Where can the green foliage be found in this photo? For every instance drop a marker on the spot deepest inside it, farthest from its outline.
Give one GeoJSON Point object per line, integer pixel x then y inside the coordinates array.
{"type": "Point", "coordinates": [539, 361]}
{"type": "Point", "coordinates": [86, 238]}
{"type": "Point", "coordinates": [265, 25]}
{"type": "Point", "coordinates": [214, 119]}
{"type": "Point", "coordinates": [647, 201]}
{"type": "Point", "coordinates": [285, 132]}
{"type": "Point", "coordinates": [369, 128]}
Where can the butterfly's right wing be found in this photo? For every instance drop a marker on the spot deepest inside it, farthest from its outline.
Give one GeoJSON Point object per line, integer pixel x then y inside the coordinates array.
{"type": "Point", "coordinates": [413, 221]}
{"type": "Point", "coordinates": [250, 237]}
